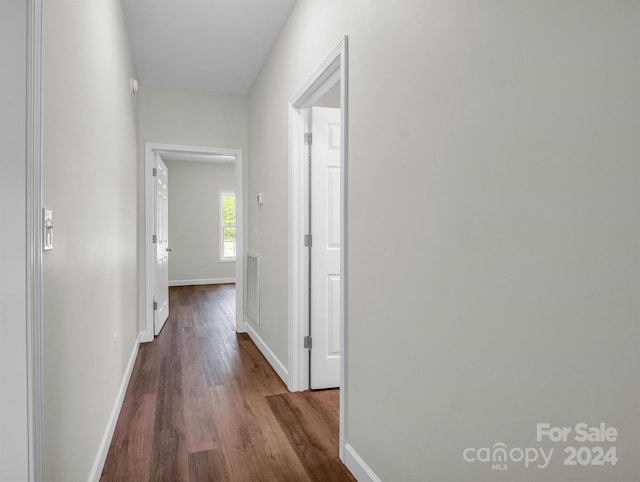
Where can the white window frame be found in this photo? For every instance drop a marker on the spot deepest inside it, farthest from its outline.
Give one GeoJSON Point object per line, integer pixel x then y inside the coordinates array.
{"type": "Point", "coordinates": [221, 225]}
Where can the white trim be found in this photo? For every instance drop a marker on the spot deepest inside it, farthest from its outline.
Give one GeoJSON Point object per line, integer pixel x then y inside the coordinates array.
{"type": "Point", "coordinates": [208, 281]}
{"type": "Point", "coordinates": [298, 255]}
{"type": "Point", "coordinates": [344, 229]}
{"type": "Point", "coordinates": [358, 467]}
{"type": "Point", "coordinates": [322, 79]}
{"type": "Point", "coordinates": [332, 69]}
{"type": "Point", "coordinates": [103, 450]}
{"type": "Point", "coordinates": [239, 188]}
{"type": "Point", "coordinates": [151, 149]}
{"type": "Point", "coordinates": [271, 357]}
{"type": "Point", "coordinates": [33, 263]}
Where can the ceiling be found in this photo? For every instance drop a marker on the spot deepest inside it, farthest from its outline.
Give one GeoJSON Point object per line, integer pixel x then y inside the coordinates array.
{"type": "Point", "coordinates": [216, 45]}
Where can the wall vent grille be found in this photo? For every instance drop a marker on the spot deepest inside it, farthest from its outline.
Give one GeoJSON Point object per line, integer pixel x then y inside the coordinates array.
{"type": "Point", "coordinates": [252, 302]}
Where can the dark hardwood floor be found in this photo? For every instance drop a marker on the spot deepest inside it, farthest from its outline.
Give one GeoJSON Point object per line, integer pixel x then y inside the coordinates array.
{"type": "Point", "coordinates": [203, 404]}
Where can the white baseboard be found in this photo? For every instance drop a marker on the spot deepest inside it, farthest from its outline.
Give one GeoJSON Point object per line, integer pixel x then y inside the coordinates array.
{"type": "Point", "coordinates": [208, 281]}
{"type": "Point", "coordinates": [358, 467]}
{"type": "Point", "coordinates": [103, 450]}
{"type": "Point", "coordinates": [271, 357]}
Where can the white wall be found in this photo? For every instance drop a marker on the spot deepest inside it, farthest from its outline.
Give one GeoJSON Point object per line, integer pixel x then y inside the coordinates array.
{"type": "Point", "coordinates": [172, 115]}
{"type": "Point", "coordinates": [13, 349]}
{"type": "Point", "coordinates": [90, 122]}
{"type": "Point", "coordinates": [506, 135]}
{"type": "Point", "coordinates": [194, 220]}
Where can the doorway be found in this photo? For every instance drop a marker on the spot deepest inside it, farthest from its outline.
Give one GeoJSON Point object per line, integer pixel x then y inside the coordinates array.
{"type": "Point", "coordinates": [153, 153]}
{"type": "Point", "coordinates": [331, 72]}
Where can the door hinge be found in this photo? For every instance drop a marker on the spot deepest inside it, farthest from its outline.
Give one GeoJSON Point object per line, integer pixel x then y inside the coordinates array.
{"type": "Point", "coordinates": [307, 342]}
{"type": "Point", "coordinates": [308, 138]}
{"type": "Point", "coordinates": [308, 240]}
{"type": "Point", "coordinates": [155, 305]}
{"type": "Point", "coordinates": [154, 171]}
{"type": "Point", "coordinates": [154, 238]}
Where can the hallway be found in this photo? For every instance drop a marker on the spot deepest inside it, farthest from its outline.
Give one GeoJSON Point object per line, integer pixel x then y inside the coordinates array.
{"type": "Point", "coordinates": [203, 404]}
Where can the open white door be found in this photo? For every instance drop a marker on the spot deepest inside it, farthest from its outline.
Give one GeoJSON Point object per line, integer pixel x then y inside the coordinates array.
{"type": "Point", "coordinates": [161, 291]}
{"type": "Point", "coordinates": [325, 249]}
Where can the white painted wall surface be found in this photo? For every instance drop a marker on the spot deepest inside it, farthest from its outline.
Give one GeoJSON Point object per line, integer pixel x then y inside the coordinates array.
{"type": "Point", "coordinates": [90, 123]}
{"type": "Point", "coordinates": [508, 132]}
{"type": "Point", "coordinates": [172, 115]}
{"type": "Point", "coordinates": [194, 219]}
{"type": "Point", "coordinates": [13, 258]}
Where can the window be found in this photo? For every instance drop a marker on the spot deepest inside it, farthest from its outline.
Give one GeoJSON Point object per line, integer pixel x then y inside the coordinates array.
{"type": "Point", "coordinates": [227, 226]}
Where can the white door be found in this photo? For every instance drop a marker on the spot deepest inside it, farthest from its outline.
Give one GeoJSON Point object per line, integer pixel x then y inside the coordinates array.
{"type": "Point", "coordinates": [161, 295]}
{"type": "Point", "coordinates": [325, 250]}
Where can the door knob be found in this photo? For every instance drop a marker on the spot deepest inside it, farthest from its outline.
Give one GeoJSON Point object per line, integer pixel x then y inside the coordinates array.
{"type": "Point", "coordinates": [169, 250]}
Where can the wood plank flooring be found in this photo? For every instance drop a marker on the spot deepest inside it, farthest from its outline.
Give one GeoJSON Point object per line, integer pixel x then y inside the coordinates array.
{"type": "Point", "coordinates": [203, 404]}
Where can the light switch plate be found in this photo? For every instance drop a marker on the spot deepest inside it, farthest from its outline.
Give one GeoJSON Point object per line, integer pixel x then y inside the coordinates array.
{"type": "Point", "coordinates": [47, 229]}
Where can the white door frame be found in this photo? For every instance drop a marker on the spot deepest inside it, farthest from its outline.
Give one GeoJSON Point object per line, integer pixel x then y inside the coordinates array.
{"type": "Point", "coordinates": [33, 263]}
{"type": "Point", "coordinates": [332, 69]}
{"type": "Point", "coordinates": [150, 151]}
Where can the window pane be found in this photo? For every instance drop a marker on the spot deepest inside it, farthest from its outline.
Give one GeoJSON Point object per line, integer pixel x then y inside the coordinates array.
{"type": "Point", "coordinates": [229, 206]}
{"type": "Point", "coordinates": [228, 226]}
{"type": "Point", "coordinates": [229, 234]}
{"type": "Point", "coordinates": [229, 249]}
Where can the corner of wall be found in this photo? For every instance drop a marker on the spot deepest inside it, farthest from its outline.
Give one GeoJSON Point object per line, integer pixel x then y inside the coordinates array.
{"type": "Point", "coordinates": [103, 450]}
{"type": "Point", "coordinates": [357, 466]}
{"type": "Point", "coordinates": [271, 357]}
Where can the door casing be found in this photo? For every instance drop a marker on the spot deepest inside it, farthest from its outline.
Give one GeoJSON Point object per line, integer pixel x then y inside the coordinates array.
{"type": "Point", "coordinates": [151, 150]}
{"type": "Point", "coordinates": [33, 263]}
{"type": "Point", "coordinates": [334, 68]}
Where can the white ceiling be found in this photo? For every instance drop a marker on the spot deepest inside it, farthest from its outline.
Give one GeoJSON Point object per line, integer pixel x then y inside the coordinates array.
{"type": "Point", "coordinates": [216, 45]}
